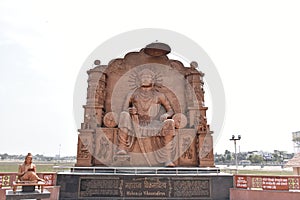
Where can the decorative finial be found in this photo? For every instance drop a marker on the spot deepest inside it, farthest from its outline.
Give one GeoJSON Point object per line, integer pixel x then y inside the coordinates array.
{"type": "Point", "coordinates": [157, 49]}
{"type": "Point", "coordinates": [97, 62]}
{"type": "Point", "coordinates": [194, 64]}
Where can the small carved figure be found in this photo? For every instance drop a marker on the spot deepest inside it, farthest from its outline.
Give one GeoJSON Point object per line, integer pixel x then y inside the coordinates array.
{"type": "Point", "coordinates": [84, 148]}
{"type": "Point", "coordinates": [142, 117]}
{"type": "Point", "coordinates": [27, 170]}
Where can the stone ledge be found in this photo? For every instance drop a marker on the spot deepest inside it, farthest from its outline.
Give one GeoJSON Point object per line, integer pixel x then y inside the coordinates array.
{"type": "Point", "coordinates": [10, 195]}
{"type": "Point", "coordinates": [147, 170]}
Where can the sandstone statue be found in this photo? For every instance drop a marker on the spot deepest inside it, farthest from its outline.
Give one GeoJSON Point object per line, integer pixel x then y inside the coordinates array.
{"type": "Point", "coordinates": [141, 117]}
{"type": "Point", "coordinates": [27, 170]}
{"type": "Point", "coordinates": [145, 110]}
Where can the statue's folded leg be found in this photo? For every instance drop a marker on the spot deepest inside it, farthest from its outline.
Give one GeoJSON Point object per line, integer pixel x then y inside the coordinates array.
{"type": "Point", "coordinates": [168, 135]}
{"type": "Point", "coordinates": [122, 138]}
{"type": "Point", "coordinates": [31, 176]}
{"type": "Point", "coordinates": [124, 127]}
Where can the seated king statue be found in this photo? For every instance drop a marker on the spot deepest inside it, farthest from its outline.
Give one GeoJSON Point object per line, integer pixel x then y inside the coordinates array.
{"type": "Point", "coordinates": [142, 117]}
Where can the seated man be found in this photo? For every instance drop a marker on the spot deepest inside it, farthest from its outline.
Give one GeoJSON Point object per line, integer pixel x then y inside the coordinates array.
{"type": "Point", "coordinates": [27, 170]}
{"type": "Point", "coordinates": [141, 117]}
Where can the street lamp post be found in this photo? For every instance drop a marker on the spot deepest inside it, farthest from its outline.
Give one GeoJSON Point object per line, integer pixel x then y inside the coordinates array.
{"type": "Point", "coordinates": [234, 140]}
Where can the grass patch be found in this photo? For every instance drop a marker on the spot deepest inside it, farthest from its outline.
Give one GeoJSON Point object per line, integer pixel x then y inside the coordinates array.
{"type": "Point", "coordinates": [262, 172]}
{"type": "Point", "coordinates": [259, 172]}
{"type": "Point", "coordinates": [40, 167]}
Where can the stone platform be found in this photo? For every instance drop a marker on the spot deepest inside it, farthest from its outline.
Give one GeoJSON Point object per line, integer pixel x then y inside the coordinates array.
{"type": "Point", "coordinates": [144, 183]}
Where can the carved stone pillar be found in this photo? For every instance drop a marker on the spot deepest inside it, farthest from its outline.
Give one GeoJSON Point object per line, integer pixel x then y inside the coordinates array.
{"type": "Point", "coordinates": [193, 116]}
{"type": "Point", "coordinates": [194, 94]}
{"type": "Point", "coordinates": [93, 113]}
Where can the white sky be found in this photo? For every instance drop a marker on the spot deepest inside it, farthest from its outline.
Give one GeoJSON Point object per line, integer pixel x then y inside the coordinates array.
{"type": "Point", "coordinates": [255, 46]}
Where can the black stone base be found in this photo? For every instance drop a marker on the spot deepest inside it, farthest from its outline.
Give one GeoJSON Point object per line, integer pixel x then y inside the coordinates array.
{"type": "Point", "coordinates": [186, 185]}
{"type": "Point", "coordinates": [28, 188]}
{"type": "Point", "coordinates": [10, 195]}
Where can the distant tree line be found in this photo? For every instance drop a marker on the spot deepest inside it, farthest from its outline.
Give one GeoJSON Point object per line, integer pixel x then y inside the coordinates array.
{"type": "Point", "coordinates": [37, 157]}
{"type": "Point", "coordinates": [256, 157]}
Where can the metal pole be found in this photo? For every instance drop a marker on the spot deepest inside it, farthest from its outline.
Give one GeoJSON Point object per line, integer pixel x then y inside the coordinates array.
{"type": "Point", "coordinates": [236, 163]}
{"type": "Point", "coordinates": [234, 140]}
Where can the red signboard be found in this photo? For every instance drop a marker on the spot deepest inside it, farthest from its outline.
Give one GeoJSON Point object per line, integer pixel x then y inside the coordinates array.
{"type": "Point", "coordinates": [267, 182]}
{"type": "Point", "coordinates": [241, 182]}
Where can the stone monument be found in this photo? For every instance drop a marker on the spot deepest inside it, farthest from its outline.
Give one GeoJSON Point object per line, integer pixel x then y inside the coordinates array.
{"type": "Point", "coordinates": [144, 123]}
{"type": "Point", "coordinates": [145, 110]}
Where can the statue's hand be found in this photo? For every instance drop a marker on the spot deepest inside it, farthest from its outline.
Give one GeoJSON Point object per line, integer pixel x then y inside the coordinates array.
{"type": "Point", "coordinates": [164, 117]}
{"type": "Point", "coordinates": [132, 110]}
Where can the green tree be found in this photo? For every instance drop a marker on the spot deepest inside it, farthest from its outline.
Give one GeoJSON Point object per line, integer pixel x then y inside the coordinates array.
{"type": "Point", "coordinates": [4, 156]}
{"type": "Point", "coordinates": [223, 159]}
{"type": "Point", "coordinates": [227, 152]}
{"type": "Point", "coordinates": [228, 157]}
{"type": "Point", "coordinates": [256, 158]}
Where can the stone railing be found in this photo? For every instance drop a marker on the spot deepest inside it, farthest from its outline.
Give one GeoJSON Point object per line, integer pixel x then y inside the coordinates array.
{"type": "Point", "coordinates": [254, 182]}
{"type": "Point", "coordinates": [152, 171]}
{"type": "Point", "coordinates": [7, 178]}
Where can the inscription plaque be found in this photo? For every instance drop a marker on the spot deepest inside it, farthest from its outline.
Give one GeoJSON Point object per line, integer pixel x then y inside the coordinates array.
{"type": "Point", "coordinates": [145, 187]}
{"type": "Point", "coordinates": [196, 187]}
{"type": "Point", "coordinates": [100, 187]}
